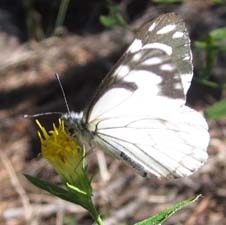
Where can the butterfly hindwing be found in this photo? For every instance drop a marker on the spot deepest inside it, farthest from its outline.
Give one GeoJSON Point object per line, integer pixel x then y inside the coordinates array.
{"type": "Point", "coordinates": [167, 145]}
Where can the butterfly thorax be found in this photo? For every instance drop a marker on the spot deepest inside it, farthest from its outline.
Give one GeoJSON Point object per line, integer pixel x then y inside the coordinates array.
{"type": "Point", "coordinates": [75, 124]}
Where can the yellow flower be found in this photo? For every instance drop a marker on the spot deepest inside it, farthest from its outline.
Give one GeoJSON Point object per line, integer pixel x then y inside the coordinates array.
{"type": "Point", "coordinates": [65, 155]}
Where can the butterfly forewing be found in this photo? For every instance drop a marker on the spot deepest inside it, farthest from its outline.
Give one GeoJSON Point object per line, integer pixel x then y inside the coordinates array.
{"type": "Point", "coordinates": [138, 113]}
{"type": "Point", "coordinates": [159, 59]}
{"type": "Point", "coordinates": [161, 47]}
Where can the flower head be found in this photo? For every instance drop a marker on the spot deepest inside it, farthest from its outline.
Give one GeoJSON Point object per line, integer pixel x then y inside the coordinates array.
{"type": "Point", "coordinates": [65, 155]}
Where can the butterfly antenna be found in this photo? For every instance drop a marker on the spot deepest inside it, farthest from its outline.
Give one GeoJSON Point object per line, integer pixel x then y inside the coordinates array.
{"type": "Point", "coordinates": [42, 114]}
{"type": "Point", "coordinates": [62, 90]}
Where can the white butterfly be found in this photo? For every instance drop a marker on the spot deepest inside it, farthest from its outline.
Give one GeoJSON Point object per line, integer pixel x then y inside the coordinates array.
{"type": "Point", "coordinates": [139, 114]}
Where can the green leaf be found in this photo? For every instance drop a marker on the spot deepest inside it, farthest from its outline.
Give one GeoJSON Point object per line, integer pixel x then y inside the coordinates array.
{"type": "Point", "coordinates": [57, 191]}
{"type": "Point", "coordinates": [217, 110]}
{"type": "Point", "coordinates": [218, 34]}
{"type": "Point", "coordinates": [201, 44]}
{"type": "Point", "coordinates": [75, 196]}
{"type": "Point", "coordinates": [114, 18]}
{"type": "Point", "coordinates": [107, 21]}
{"type": "Point", "coordinates": [120, 20]}
{"type": "Point", "coordinates": [167, 1]}
{"type": "Point", "coordinates": [160, 217]}
{"type": "Point", "coordinates": [116, 14]}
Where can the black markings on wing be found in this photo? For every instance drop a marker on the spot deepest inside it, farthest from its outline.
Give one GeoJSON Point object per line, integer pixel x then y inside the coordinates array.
{"type": "Point", "coordinates": [134, 164]}
{"type": "Point", "coordinates": [171, 84]}
{"type": "Point", "coordinates": [180, 46]}
{"type": "Point", "coordinates": [131, 86]}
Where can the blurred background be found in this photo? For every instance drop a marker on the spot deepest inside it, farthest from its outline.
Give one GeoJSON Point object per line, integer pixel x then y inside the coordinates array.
{"type": "Point", "coordinates": [81, 40]}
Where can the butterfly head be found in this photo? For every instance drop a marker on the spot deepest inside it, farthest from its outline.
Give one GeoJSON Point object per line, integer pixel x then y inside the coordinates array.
{"type": "Point", "coordinates": [73, 121]}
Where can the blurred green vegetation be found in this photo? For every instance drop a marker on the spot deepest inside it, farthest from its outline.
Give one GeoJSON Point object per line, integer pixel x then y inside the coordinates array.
{"type": "Point", "coordinates": [212, 46]}
{"type": "Point", "coordinates": [34, 20]}
{"type": "Point", "coordinates": [115, 17]}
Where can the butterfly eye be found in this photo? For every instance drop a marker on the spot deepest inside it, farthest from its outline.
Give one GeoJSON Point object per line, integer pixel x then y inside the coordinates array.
{"type": "Point", "coordinates": [71, 131]}
{"type": "Point", "coordinates": [69, 126]}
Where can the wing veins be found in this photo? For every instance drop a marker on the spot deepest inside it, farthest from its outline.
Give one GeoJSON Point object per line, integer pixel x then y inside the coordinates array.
{"type": "Point", "coordinates": [114, 140]}
{"type": "Point", "coordinates": [152, 146]}
{"type": "Point", "coordinates": [114, 106]}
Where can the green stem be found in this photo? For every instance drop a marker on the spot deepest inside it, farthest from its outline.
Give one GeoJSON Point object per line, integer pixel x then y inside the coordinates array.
{"type": "Point", "coordinates": [96, 216]}
{"type": "Point", "coordinates": [61, 14]}
{"type": "Point", "coordinates": [99, 220]}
